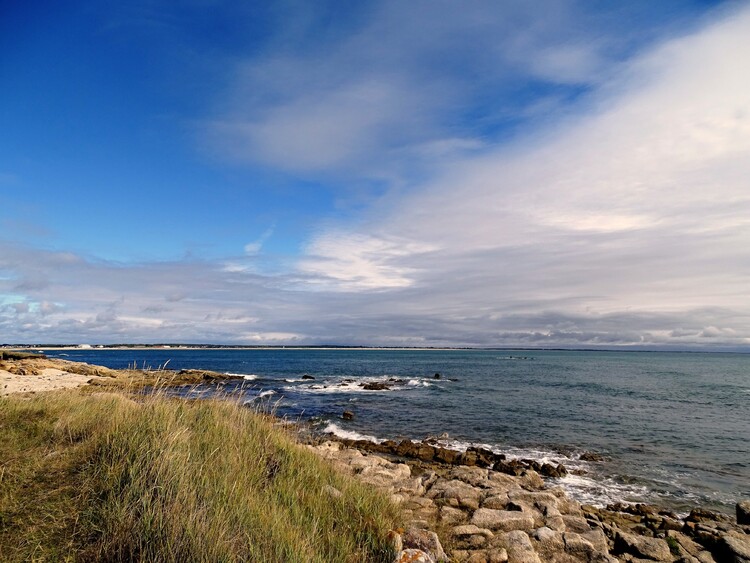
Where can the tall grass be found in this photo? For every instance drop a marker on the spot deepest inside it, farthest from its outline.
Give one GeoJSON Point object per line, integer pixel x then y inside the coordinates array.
{"type": "Point", "coordinates": [106, 477]}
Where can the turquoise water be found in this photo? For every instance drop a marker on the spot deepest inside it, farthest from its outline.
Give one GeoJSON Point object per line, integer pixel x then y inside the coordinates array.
{"type": "Point", "coordinates": [674, 427]}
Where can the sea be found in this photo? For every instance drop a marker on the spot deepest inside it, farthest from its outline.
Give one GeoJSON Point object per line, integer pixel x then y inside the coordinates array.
{"type": "Point", "coordinates": [673, 429]}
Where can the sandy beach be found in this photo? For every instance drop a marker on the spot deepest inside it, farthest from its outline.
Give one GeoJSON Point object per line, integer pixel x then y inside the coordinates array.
{"type": "Point", "coordinates": [49, 380]}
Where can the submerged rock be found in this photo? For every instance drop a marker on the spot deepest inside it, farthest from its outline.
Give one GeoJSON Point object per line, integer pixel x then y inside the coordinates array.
{"type": "Point", "coordinates": [375, 386]}
{"type": "Point", "coordinates": [591, 456]}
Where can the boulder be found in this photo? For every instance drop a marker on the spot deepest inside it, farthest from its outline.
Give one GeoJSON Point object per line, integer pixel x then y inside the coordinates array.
{"type": "Point", "coordinates": [703, 515]}
{"type": "Point", "coordinates": [575, 543]}
{"type": "Point", "coordinates": [457, 492]}
{"type": "Point", "coordinates": [444, 455]}
{"type": "Point", "coordinates": [425, 452]}
{"type": "Point", "coordinates": [504, 520]}
{"type": "Point", "coordinates": [549, 540]}
{"type": "Point", "coordinates": [497, 555]}
{"type": "Point", "coordinates": [735, 547]}
{"type": "Point", "coordinates": [307, 376]}
{"type": "Point", "coordinates": [395, 540]}
{"type": "Point", "coordinates": [348, 415]}
{"type": "Point", "coordinates": [577, 524]}
{"type": "Point", "coordinates": [452, 516]}
{"type": "Point", "coordinates": [468, 530]}
{"type": "Point", "coordinates": [743, 513]}
{"type": "Point", "coordinates": [530, 480]}
{"type": "Point", "coordinates": [519, 548]}
{"type": "Point", "coordinates": [496, 502]}
{"type": "Point", "coordinates": [427, 541]}
{"type": "Point", "coordinates": [641, 546]}
{"type": "Point", "coordinates": [412, 556]}
{"type": "Point", "coordinates": [474, 476]}
{"type": "Point", "coordinates": [556, 471]}
{"type": "Point", "coordinates": [502, 481]}
{"type": "Point", "coordinates": [597, 538]}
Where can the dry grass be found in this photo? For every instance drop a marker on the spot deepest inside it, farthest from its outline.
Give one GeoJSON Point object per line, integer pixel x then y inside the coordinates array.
{"type": "Point", "coordinates": [102, 477]}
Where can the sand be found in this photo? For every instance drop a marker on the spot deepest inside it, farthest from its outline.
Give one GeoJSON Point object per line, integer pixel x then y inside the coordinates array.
{"type": "Point", "coordinates": [48, 380]}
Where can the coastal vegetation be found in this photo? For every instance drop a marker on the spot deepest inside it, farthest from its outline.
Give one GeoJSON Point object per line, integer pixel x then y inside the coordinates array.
{"type": "Point", "coordinates": [112, 476]}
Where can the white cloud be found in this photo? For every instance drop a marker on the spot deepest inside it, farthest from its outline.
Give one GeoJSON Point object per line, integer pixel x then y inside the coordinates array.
{"type": "Point", "coordinates": [368, 104]}
{"type": "Point", "coordinates": [640, 205]}
{"type": "Point", "coordinates": [626, 221]}
{"type": "Point", "coordinates": [342, 261]}
{"type": "Point", "coordinates": [256, 246]}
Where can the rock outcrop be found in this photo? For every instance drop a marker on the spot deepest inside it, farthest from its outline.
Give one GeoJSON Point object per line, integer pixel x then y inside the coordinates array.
{"type": "Point", "coordinates": [476, 513]}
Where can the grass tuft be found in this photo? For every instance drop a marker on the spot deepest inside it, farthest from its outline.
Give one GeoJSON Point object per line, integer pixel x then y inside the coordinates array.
{"type": "Point", "coordinates": [105, 477]}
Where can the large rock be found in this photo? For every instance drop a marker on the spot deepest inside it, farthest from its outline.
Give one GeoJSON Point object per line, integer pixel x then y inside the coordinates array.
{"type": "Point", "coordinates": [736, 547]}
{"type": "Point", "coordinates": [502, 481]}
{"type": "Point", "coordinates": [468, 530]}
{"type": "Point", "coordinates": [504, 520]}
{"type": "Point", "coordinates": [457, 493]}
{"type": "Point", "coordinates": [519, 548]}
{"type": "Point", "coordinates": [577, 524]}
{"type": "Point", "coordinates": [427, 541]}
{"type": "Point", "coordinates": [385, 477]}
{"type": "Point", "coordinates": [413, 556]}
{"type": "Point", "coordinates": [531, 481]}
{"type": "Point", "coordinates": [497, 502]}
{"type": "Point", "coordinates": [444, 455]}
{"type": "Point", "coordinates": [452, 516]}
{"type": "Point", "coordinates": [641, 546]}
{"type": "Point", "coordinates": [575, 543]}
{"type": "Point", "coordinates": [549, 540]}
{"type": "Point", "coordinates": [598, 539]}
{"type": "Point", "coordinates": [743, 513]}
{"type": "Point", "coordinates": [474, 476]}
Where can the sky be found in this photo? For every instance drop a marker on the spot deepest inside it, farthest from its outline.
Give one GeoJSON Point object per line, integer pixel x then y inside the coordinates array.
{"type": "Point", "coordinates": [428, 173]}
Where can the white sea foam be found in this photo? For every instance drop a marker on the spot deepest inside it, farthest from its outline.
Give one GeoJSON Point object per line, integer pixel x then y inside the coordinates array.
{"type": "Point", "coordinates": [336, 430]}
{"type": "Point", "coordinates": [601, 491]}
{"type": "Point", "coordinates": [293, 380]}
{"type": "Point", "coordinates": [267, 393]}
{"type": "Point", "coordinates": [350, 385]}
{"type": "Point", "coordinates": [247, 376]}
{"type": "Point", "coordinates": [418, 383]}
{"type": "Point", "coordinates": [589, 488]}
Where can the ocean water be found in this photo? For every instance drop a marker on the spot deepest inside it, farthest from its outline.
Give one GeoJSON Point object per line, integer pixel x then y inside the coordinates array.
{"type": "Point", "coordinates": [674, 428]}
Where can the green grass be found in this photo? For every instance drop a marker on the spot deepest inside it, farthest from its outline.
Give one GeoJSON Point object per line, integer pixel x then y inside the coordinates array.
{"type": "Point", "coordinates": [101, 477]}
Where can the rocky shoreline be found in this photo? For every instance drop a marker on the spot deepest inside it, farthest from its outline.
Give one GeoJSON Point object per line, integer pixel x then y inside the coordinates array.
{"type": "Point", "coordinates": [477, 506]}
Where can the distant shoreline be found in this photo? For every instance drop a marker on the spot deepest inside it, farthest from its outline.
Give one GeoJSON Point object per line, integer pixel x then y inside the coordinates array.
{"type": "Point", "coordinates": [171, 347]}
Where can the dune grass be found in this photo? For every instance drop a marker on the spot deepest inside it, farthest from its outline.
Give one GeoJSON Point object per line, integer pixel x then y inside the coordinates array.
{"type": "Point", "coordinates": [109, 477]}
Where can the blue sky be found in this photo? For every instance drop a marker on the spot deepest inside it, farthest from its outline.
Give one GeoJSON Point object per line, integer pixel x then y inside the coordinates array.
{"type": "Point", "coordinates": [425, 173]}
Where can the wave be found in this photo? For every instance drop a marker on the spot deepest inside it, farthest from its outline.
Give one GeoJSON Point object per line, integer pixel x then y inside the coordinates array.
{"type": "Point", "coordinates": [267, 393]}
{"type": "Point", "coordinates": [336, 430]}
{"type": "Point", "coordinates": [344, 384]}
{"type": "Point", "coordinates": [600, 491]}
{"type": "Point", "coordinates": [419, 383]}
{"type": "Point", "coordinates": [247, 376]}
